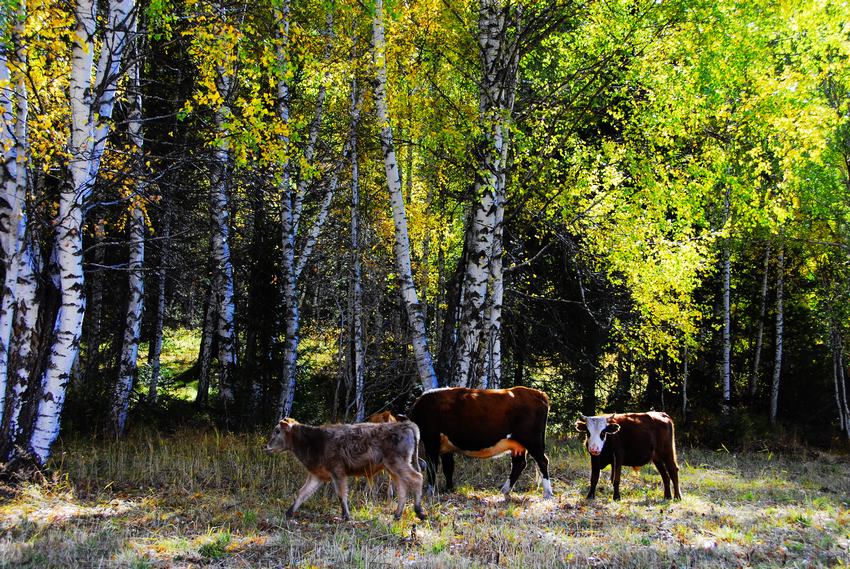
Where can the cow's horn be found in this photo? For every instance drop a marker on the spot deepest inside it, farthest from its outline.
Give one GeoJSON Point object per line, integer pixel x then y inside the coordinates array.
{"type": "Point", "coordinates": [583, 418]}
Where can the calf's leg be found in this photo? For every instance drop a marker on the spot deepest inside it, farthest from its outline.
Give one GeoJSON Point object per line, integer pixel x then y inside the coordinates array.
{"type": "Point", "coordinates": [310, 486]}
{"type": "Point", "coordinates": [341, 487]}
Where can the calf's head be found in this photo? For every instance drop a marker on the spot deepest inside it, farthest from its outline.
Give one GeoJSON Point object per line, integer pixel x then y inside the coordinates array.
{"type": "Point", "coordinates": [597, 430]}
{"type": "Point", "coordinates": [281, 437]}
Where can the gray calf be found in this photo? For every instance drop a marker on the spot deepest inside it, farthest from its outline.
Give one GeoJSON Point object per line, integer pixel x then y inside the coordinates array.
{"type": "Point", "coordinates": [335, 452]}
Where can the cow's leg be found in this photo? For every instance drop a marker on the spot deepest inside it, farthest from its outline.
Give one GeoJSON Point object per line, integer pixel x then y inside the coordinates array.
{"type": "Point", "coordinates": [673, 470]}
{"type": "Point", "coordinates": [665, 477]}
{"type": "Point", "coordinates": [518, 462]}
{"type": "Point", "coordinates": [448, 460]}
{"type": "Point", "coordinates": [542, 461]}
{"type": "Point", "coordinates": [341, 486]}
{"type": "Point", "coordinates": [594, 480]}
{"type": "Point", "coordinates": [432, 455]}
{"type": "Point", "coordinates": [616, 470]}
{"type": "Point", "coordinates": [310, 486]}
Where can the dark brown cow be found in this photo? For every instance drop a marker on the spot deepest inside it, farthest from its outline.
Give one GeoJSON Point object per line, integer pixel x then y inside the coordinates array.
{"type": "Point", "coordinates": [483, 423]}
{"type": "Point", "coordinates": [335, 452]}
{"type": "Point", "coordinates": [631, 439]}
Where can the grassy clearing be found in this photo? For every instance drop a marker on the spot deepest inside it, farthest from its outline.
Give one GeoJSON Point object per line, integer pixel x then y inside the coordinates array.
{"type": "Point", "coordinates": [203, 499]}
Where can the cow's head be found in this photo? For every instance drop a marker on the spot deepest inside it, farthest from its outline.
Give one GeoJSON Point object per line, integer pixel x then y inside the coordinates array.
{"type": "Point", "coordinates": [597, 429]}
{"type": "Point", "coordinates": [281, 438]}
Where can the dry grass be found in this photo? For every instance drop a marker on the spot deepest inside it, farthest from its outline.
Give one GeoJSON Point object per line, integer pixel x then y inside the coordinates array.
{"type": "Point", "coordinates": [211, 500]}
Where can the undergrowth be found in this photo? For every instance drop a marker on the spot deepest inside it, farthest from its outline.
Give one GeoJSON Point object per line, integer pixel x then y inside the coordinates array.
{"type": "Point", "coordinates": [201, 498]}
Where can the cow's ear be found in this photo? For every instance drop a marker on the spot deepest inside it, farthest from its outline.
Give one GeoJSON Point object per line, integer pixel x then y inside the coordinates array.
{"type": "Point", "coordinates": [581, 426]}
{"type": "Point", "coordinates": [612, 428]}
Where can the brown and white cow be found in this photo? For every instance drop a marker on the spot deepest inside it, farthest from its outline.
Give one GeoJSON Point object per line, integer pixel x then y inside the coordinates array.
{"type": "Point", "coordinates": [335, 452]}
{"type": "Point", "coordinates": [483, 423]}
{"type": "Point", "coordinates": [631, 439]}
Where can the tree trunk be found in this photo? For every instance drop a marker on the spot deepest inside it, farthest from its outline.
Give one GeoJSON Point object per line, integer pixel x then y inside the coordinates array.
{"type": "Point", "coordinates": [13, 219]}
{"type": "Point", "coordinates": [754, 376]}
{"type": "Point", "coordinates": [424, 363]}
{"type": "Point", "coordinates": [22, 346]}
{"type": "Point", "coordinates": [133, 323]}
{"type": "Point", "coordinates": [726, 272]}
{"type": "Point", "coordinates": [90, 123]}
{"type": "Point", "coordinates": [480, 331]}
{"type": "Point", "coordinates": [223, 266]}
{"type": "Point", "coordinates": [780, 315]}
{"type": "Point", "coordinates": [358, 349]}
{"type": "Point", "coordinates": [208, 336]}
{"type": "Point", "coordinates": [155, 346]}
{"type": "Point", "coordinates": [685, 379]}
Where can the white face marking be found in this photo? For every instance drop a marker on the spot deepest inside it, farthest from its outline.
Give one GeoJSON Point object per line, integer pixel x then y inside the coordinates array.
{"type": "Point", "coordinates": [596, 433]}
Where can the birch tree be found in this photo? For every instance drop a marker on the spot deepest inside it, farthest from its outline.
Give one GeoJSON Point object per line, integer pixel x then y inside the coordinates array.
{"type": "Point", "coordinates": [14, 108]}
{"type": "Point", "coordinates": [416, 322]}
{"type": "Point", "coordinates": [136, 284]}
{"type": "Point", "coordinates": [780, 329]}
{"type": "Point", "coordinates": [482, 288]}
{"type": "Point", "coordinates": [294, 261]}
{"type": "Point", "coordinates": [91, 114]}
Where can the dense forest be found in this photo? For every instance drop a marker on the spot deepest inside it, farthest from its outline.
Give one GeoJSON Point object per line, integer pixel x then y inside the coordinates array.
{"type": "Point", "coordinates": [630, 204]}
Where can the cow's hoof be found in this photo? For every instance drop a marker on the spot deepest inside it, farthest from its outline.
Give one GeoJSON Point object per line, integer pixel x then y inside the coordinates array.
{"type": "Point", "coordinates": [397, 517]}
{"type": "Point", "coordinates": [289, 513]}
{"type": "Point", "coordinates": [420, 514]}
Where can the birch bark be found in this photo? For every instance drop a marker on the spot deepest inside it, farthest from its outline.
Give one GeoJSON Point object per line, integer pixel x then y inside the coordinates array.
{"type": "Point", "coordinates": [14, 107]}
{"type": "Point", "coordinates": [358, 348]}
{"type": "Point", "coordinates": [422, 355]}
{"type": "Point", "coordinates": [726, 275]}
{"type": "Point", "coordinates": [155, 347]}
{"type": "Point", "coordinates": [780, 316]}
{"type": "Point", "coordinates": [136, 285]}
{"type": "Point", "coordinates": [90, 123]}
{"type": "Point", "coordinates": [292, 206]}
{"type": "Point", "coordinates": [754, 376]}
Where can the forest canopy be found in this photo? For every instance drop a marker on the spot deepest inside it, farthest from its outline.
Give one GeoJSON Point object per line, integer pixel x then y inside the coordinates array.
{"type": "Point", "coordinates": [250, 210]}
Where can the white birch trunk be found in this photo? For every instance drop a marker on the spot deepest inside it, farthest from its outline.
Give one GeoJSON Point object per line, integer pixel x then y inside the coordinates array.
{"type": "Point", "coordinates": [292, 204]}
{"type": "Point", "coordinates": [26, 320]}
{"type": "Point", "coordinates": [205, 353]}
{"type": "Point", "coordinates": [90, 122]}
{"type": "Point", "coordinates": [155, 348]}
{"type": "Point", "coordinates": [424, 363]}
{"type": "Point", "coordinates": [837, 364]}
{"type": "Point", "coordinates": [13, 219]}
{"type": "Point", "coordinates": [760, 329]}
{"type": "Point", "coordinates": [223, 266]}
{"type": "Point", "coordinates": [780, 316]}
{"type": "Point", "coordinates": [483, 285]}
{"type": "Point", "coordinates": [843, 384]}
{"type": "Point", "coordinates": [136, 285]}
{"type": "Point", "coordinates": [685, 379]}
{"type": "Point", "coordinates": [358, 345]}
{"type": "Point", "coordinates": [726, 275]}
